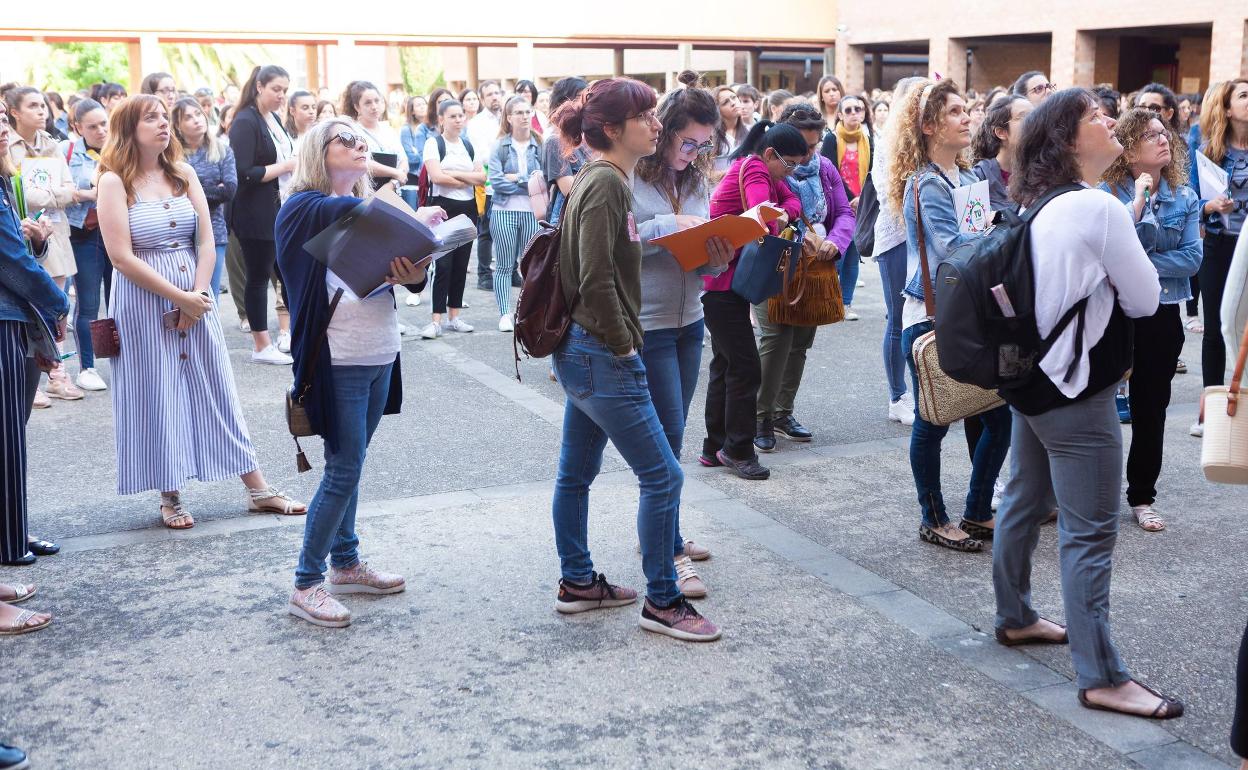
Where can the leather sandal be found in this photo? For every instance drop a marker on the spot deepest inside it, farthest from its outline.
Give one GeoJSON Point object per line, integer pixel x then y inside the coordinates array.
{"type": "Point", "coordinates": [1008, 642]}
{"type": "Point", "coordinates": [21, 624]}
{"type": "Point", "coordinates": [966, 545]}
{"type": "Point", "coordinates": [20, 591]}
{"type": "Point", "coordinates": [180, 518]}
{"type": "Point", "coordinates": [1169, 708]}
{"type": "Point", "coordinates": [270, 500]}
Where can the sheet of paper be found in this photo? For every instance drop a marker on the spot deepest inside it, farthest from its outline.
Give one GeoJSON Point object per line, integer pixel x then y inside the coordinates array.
{"type": "Point", "coordinates": [1213, 179]}
{"type": "Point", "coordinates": [972, 204]}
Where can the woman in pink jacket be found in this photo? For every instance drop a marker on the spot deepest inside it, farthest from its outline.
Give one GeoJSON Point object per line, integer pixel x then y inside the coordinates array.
{"type": "Point", "coordinates": [769, 153]}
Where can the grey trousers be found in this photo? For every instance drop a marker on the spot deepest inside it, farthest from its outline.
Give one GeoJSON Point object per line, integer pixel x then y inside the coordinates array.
{"type": "Point", "coordinates": [782, 355]}
{"type": "Point", "coordinates": [1071, 456]}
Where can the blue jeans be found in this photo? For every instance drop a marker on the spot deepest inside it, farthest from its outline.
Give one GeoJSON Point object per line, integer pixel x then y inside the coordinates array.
{"type": "Point", "coordinates": [608, 397]}
{"type": "Point", "coordinates": [216, 271]}
{"type": "Point", "coordinates": [925, 442]}
{"type": "Point", "coordinates": [672, 358]}
{"type": "Point", "coordinates": [94, 270]}
{"type": "Point", "coordinates": [851, 260]}
{"type": "Point", "coordinates": [892, 265]}
{"type": "Point", "coordinates": [360, 394]}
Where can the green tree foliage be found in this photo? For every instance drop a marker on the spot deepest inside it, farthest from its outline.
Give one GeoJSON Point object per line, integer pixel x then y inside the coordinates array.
{"type": "Point", "coordinates": [68, 67]}
{"type": "Point", "coordinates": [422, 69]}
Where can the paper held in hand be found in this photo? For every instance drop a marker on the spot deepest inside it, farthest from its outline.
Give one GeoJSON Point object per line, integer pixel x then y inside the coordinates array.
{"type": "Point", "coordinates": [360, 245]}
{"type": "Point", "coordinates": [973, 205]}
{"type": "Point", "coordinates": [1213, 179]}
{"type": "Point", "coordinates": [689, 246]}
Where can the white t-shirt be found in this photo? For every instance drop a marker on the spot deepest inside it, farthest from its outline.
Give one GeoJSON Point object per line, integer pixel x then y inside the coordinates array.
{"type": "Point", "coordinates": [363, 331]}
{"type": "Point", "coordinates": [482, 131]}
{"type": "Point", "coordinates": [457, 159]}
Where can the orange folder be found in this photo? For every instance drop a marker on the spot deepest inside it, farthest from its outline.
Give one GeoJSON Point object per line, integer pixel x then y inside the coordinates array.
{"type": "Point", "coordinates": [689, 246]}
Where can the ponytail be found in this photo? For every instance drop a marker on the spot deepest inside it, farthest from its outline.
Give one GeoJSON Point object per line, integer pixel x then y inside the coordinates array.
{"type": "Point", "coordinates": [260, 76]}
{"type": "Point", "coordinates": [782, 137]}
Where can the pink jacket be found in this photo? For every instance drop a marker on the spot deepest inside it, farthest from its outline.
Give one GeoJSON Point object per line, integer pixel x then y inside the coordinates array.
{"type": "Point", "coordinates": [759, 188]}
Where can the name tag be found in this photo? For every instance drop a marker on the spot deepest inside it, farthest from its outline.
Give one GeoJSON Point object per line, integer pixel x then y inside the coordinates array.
{"type": "Point", "coordinates": [633, 235]}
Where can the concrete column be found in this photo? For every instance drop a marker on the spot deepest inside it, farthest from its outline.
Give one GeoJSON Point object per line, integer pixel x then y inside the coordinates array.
{"type": "Point", "coordinates": [685, 51]}
{"type": "Point", "coordinates": [1073, 58]}
{"type": "Point", "coordinates": [394, 66]}
{"type": "Point", "coordinates": [1229, 51]}
{"type": "Point", "coordinates": [134, 58]}
{"type": "Point", "coordinates": [526, 60]}
{"type": "Point", "coordinates": [851, 67]}
{"type": "Point", "coordinates": [617, 62]}
{"type": "Point", "coordinates": [150, 58]}
{"type": "Point", "coordinates": [474, 65]}
{"type": "Point", "coordinates": [752, 74]}
{"type": "Point", "coordinates": [877, 72]}
{"type": "Point", "coordinates": [340, 64]}
{"type": "Point", "coordinates": [829, 60]}
{"type": "Point", "coordinates": [946, 57]}
{"type": "Point", "coordinates": [312, 63]}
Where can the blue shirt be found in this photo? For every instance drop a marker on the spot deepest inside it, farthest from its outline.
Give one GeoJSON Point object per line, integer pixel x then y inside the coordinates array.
{"type": "Point", "coordinates": [940, 223]}
{"type": "Point", "coordinates": [1169, 231]}
{"type": "Point", "coordinates": [25, 287]}
{"type": "Point", "coordinates": [1235, 164]}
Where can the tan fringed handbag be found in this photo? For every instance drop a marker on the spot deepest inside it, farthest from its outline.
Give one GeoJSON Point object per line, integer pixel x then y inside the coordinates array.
{"type": "Point", "coordinates": [942, 399]}
{"type": "Point", "coordinates": [1224, 448]}
{"type": "Point", "coordinates": [813, 296]}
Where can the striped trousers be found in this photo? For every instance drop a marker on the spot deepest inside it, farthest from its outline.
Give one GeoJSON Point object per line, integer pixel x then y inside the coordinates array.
{"type": "Point", "coordinates": [19, 376]}
{"type": "Point", "coordinates": [511, 231]}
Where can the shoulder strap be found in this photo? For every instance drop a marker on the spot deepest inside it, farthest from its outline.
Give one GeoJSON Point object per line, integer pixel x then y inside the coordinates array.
{"type": "Point", "coordinates": [441, 140]}
{"type": "Point", "coordinates": [316, 349]}
{"type": "Point", "coordinates": [745, 206]}
{"type": "Point", "coordinates": [472, 155]}
{"type": "Point", "coordinates": [929, 299]}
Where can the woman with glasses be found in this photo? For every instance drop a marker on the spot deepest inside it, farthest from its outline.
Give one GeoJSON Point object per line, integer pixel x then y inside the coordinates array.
{"type": "Point", "coordinates": [160, 84]}
{"type": "Point", "coordinates": [850, 146]}
{"type": "Point", "coordinates": [512, 220]}
{"type": "Point", "coordinates": [1034, 85]}
{"type": "Point", "coordinates": [352, 374]}
{"type": "Point", "coordinates": [1151, 179]}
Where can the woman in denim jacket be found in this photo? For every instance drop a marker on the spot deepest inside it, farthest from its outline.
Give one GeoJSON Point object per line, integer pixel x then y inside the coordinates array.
{"type": "Point", "coordinates": [512, 219]}
{"type": "Point", "coordinates": [933, 128]}
{"type": "Point", "coordinates": [1151, 180]}
{"type": "Point", "coordinates": [213, 161]}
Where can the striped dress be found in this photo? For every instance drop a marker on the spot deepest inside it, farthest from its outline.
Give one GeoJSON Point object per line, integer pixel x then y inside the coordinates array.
{"type": "Point", "coordinates": [176, 410]}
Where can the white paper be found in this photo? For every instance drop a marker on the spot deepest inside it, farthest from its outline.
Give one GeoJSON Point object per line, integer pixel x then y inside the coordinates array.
{"type": "Point", "coordinates": [453, 233]}
{"type": "Point", "coordinates": [1213, 179]}
{"type": "Point", "coordinates": [973, 206]}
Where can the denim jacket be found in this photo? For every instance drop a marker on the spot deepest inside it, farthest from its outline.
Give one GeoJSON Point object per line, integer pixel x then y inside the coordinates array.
{"type": "Point", "coordinates": [220, 182]}
{"type": "Point", "coordinates": [1214, 223]}
{"type": "Point", "coordinates": [82, 169]}
{"type": "Point", "coordinates": [1169, 231]}
{"type": "Point", "coordinates": [505, 161]}
{"type": "Point", "coordinates": [24, 285]}
{"type": "Point", "coordinates": [940, 223]}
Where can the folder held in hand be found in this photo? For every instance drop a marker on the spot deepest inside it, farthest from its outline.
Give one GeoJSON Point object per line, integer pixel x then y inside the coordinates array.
{"type": "Point", "coordinates": [689, 246]}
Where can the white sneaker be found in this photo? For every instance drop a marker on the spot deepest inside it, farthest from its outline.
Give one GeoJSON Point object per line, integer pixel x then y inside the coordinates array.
{"type": "Point", "coordinates": [431, 332]}
{"type": "Point", "coordinates": [283, 341]}
{"type": "Point", "coordinates": [900, 411]}
{"type": "Point", "coordinates": [998, 491]}
{"type": "Point", "coordinates": [850, 315]}
{"type": "Point", "coordinates": [458, 325]}
{"type": "Point", "coordinates": [1197, 429]}
{"type": "Point", "coordinates": [505, 324]}
{"type": "Point", "coordinates": [90, 379]}
{"type": "Point", "coordinates": [413, 300]}
{"type": "Point", "coordinates": [271, 355]}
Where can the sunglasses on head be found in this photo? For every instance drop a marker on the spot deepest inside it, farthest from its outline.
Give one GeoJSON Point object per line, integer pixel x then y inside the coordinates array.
{"type": "Point", "coordinates": [345, 138]}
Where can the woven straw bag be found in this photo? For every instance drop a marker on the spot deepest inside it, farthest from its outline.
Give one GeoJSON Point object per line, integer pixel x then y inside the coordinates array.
{"type": "Point", "coordinates": [1224, 448]}
{"type": "Point", "coordinates": [942, 399]}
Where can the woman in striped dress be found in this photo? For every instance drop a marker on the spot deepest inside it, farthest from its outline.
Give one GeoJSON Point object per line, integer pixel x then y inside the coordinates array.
{"type": "Point", "coordinates": [176, 411]}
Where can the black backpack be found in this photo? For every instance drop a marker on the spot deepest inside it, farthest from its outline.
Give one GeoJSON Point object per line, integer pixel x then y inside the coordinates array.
{"type": "Point", "coordinates": [979, 344]}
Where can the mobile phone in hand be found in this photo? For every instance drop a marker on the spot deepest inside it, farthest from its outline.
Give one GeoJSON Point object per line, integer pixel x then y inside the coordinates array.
{"type": "Point", "coordinates": [171, 318]}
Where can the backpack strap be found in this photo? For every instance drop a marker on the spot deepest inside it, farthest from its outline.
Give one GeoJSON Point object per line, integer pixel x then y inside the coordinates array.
{"type": "Point", "coordinates": [441, 140]}
{"type": "Point", "coordinates": [1079, 311]}
{"type": "Point", "coordinates": [472, 155]}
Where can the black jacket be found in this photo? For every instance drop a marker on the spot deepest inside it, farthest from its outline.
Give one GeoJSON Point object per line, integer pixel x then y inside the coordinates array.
{"type": "Point", "coordinates": [256, 203]}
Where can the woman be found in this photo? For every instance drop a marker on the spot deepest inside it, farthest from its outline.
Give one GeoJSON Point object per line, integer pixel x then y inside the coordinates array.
{"type": "Point", "coordinates": [782, 347]}
{"type": "Point", "coordinates": [213, 162]}
{"type": "Point", "coordinates": [471, 103]}
{"type": "Point", "coordinates": [347, 357]}
{"type": "Point", "coordinates": [28, 114]}
{"type": "Point", "coordinates": [600, 369]}
{"type": "Point", "coordinates": [58, 118]}
{"type": "Point", "coordinates": [851, 146]}
{"type": "Point", "coordinates": [25, 288]}
{"type": "Point", "coordinates": [161, 84]}
{"type": "Point", "coordinates": [453, 170]}
{"type": "Point", "coordinates": [978, 109]}
{"type": "Point", "coordinates": [224, 122]}
{"type": "Point", "coordinates": [177, 414]}
{"type": "Point", "coordinates": [776, 102]}
{"type": "Point", "coordinates": [830, 91]}
{"type": "Point", "coordinates": [1224, 140]}
{"type": "Point", "coordinates": [300, 114]}
{"type": "Point", "coordinates": [931, 131]}
{"type": "Point", "coordinates": [890, 256]}
{"type": "Point", "coordinates": [731, 131]}
{"type": "Point", "coordinates": [91, 127]}
{"type": "Point", "coordinates": [879, 114]}
{"type": "Point", "coordinates": [263, 158]}
{"type": "Point", "coordinates": [1152, 181]}
{"type": "Point", "coordinates": [768, 155]}
{"type": "Point", "coordinates": [542, 106]}
{"type": "Point", "coordinates": [751, 101]}
{"type": "Point", "coordinates": [993, 145]}
{"type": "Point", "coordinates": [325, 110]}
{"type": "Point", "coordinates": [512, 220]}
{"type": "Point", "coordinates": [410, 136]}
{"type": "Point", "coordinates": [108, 94]}
{"type": "Point", "coordinates": [1034, 85]}
{"type": "Point", "coordinates": [561, 168]}
{"type": "Point", "coordinates": [526, 89]}
{"type": "Point", "coordinates": [363, 102]}
{"type": "Point", "coordinates": [670, 194]}
{"type": "Point", "coordinates": [1067, 443]}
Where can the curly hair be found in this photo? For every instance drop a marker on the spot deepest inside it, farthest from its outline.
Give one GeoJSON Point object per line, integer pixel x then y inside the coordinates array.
{"type": "Point", "coordinates": [679, 108]}
{"type": "Point", "coordinates": [910, 144]}
{"type": "Point", "coordinates": [1045, 156]}
{"type": "Point", "coordinates": [1130, 130]}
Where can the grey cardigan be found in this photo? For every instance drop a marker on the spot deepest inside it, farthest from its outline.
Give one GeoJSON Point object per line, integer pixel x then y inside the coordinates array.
{"type": "Point", "coordinates": [670, 297]}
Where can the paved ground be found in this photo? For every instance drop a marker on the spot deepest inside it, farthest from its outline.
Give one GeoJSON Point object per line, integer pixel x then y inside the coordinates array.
{"type": "Point", "coordinates": [848, 643]}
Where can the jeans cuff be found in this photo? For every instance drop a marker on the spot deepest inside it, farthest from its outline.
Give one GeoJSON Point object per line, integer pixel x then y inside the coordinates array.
{"type": "Point", "coordinates": [352, 562]}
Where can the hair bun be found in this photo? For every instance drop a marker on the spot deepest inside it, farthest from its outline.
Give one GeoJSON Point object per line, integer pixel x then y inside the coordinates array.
{"type": "Point", "coordinates": [690, 79]}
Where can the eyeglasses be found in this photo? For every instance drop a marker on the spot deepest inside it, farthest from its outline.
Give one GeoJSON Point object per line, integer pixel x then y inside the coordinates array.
{"type": "Point", "coordinates": [345, 138]}
{"type": "Point", "coordinates": [688, 145]}
{"type": "Point", "coordinates": [1046, 88]}
{"type": "Point", "coordinates": [649, 116]}
{"type": "Point", "coordinates": [788, 164]}
{"type": "Point", "coordinates": [1155, 137]}
{"type": "Point", "coordinates": [522, 113]}
{"type": "Point", "coordinates": [855, 110]}
{"type": "Point", "coordinates": [1154, 108]}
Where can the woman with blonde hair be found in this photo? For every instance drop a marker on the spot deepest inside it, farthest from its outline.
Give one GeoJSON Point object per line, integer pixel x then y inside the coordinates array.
{"type": "Point", "coordinates": [177, 414]}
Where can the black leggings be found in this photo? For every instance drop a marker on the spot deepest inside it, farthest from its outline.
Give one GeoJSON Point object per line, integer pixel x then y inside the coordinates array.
{"type": "Point", "coordinates": [1239, 727]}
{"type": "Point", "coordinates": [451, 272]}
{"type": "Point", "coordinates": [260, 260]}
{"type": "Point", "coordinates": [1213, 269]}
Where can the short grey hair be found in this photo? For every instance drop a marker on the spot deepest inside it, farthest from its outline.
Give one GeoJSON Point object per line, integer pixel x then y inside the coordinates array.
{"type": "Point", "coordinates": [310, 171]}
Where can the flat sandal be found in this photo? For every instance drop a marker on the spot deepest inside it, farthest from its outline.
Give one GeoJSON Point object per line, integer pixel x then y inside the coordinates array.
{"type": "Point", "coordinates": [1008, 642]}
{"type": "Point", "coordinates": [19, 625]}
{"type": "Point", "coordinates": [174, 503]}
{"type": "Point", "coordinates": [260, 501]}
{"type": "Point", "coordinates": [20, 592]}
{"type": "Point", "coordinates": [1173, 706]}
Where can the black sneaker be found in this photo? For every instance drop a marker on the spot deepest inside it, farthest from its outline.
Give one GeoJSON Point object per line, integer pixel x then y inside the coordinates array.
{"type": "Point", "coordinates": [764, 436]}
{"type": "Point", "coordinates": [596, 595]}
{"type": "Point", "coordinates": [792, 429]}
{"type": "Point", "coordinates": [749, 469]}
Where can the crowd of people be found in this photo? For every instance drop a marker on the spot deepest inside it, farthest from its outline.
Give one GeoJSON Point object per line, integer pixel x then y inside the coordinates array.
{"type": "Point", "coordinates": [145, 209]}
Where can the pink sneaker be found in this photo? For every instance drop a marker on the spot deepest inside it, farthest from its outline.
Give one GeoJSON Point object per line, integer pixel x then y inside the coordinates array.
{"type": "Point", "coordinates": [60, 386]}
{"type": "Point", "coordinates": [316, 606]}
{"type": "Point", "coordinates": [687, 580]}
{"type": "Point", "coordinates": [363, 579]}
{"type": "Point", "coordinates": [697, 552]}
{"type": "Point", "coordinates": [599, 594]}
{"type": "Point", "coordinates": [680, 621]}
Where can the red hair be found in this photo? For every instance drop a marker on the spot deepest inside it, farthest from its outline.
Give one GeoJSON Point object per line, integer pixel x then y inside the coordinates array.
{"type": "Point", "coordinates": [609, 102]}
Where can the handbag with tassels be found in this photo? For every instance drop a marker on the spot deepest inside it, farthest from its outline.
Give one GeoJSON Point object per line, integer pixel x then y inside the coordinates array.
{"type": "Point", "coordinates": [1224, 447]}
{"type": "Point", "coordinates": [297, 420]}
{"type": "Point", "coordinates": [942, 399]}
{"type": "Point", "coordinates": [813, 296]}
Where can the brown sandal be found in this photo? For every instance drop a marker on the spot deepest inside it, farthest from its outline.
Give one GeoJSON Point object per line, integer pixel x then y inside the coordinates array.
{"type": "Point", "coordinates": [179, 518]}
{"type": "Point", "coordinates": [1173, 707]}
{"type": "Point", "coordinates": [1008, 642]}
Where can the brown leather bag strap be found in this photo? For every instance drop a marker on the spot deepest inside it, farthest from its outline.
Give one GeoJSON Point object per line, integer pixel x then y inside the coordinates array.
{"type": "Point", "coordinates": [745, 206]}
{"type": "Point", "coordinates": [929, 295]}
{"type": "Point", "coordinates": [1237, 378]}
{"type": "Point", "coordinates": [316, 349]}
